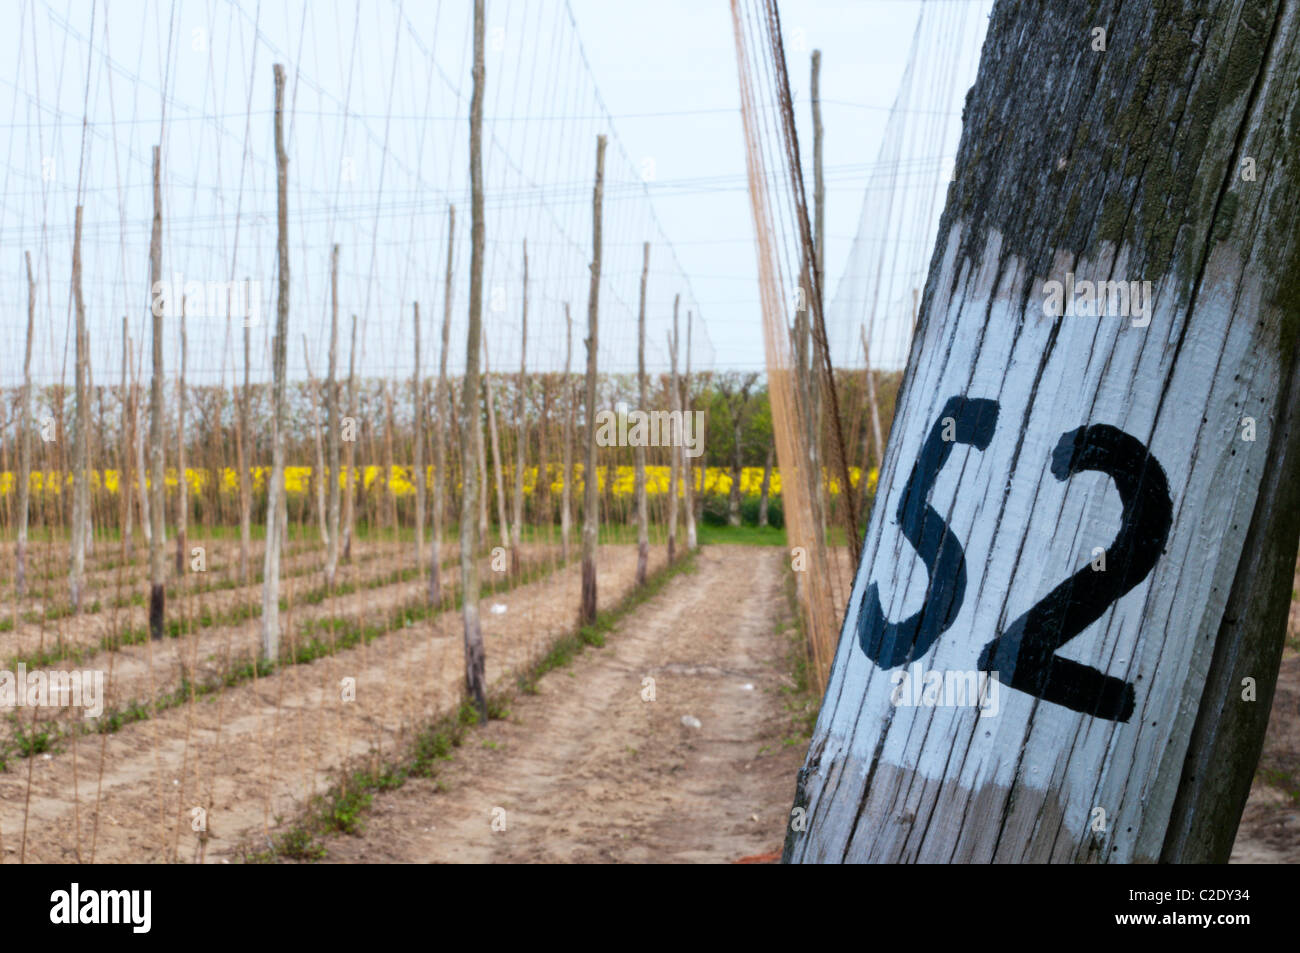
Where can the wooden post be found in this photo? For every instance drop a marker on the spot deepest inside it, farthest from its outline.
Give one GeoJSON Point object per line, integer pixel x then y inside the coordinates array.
{"type": "Point", "coordinates": [81, 432]}
{"type": "Point", "coordinates": [141, 469]}
{"type": "Point", "coordinates": [350, 493]}
{"type": "Point", "coordinates": [475, 662]}
{"type": "Point", "coordinates": [1092, 483]}
{"type": "Point", "coordinates": [417, 400]}
{"type": "Point", "coordinates": [590, 481]}
{"type": "Point", "coordinates": [642, 505]}
{"type": "Point", "coordinates": [440, 423]}
{"type": "Point", "coordinates": [763, 491]}
{"type": "Point", "coordinates": [157, 515]}
{"type": "Point", "coordinates": [318, 475]}
{"type": "Point", "coordinates": [877, 441]}
{"type": "Point", "coordinates": [503, 521]}
{"type": "Point", "coordinates": [521, 426]}
{"type": "Point", "coordinates": [279, 345]}
{"type": "Point", "coordinates": [687, 461]}
{"type": "Point", "coordinates": [243, 436]}
{"type": "Point", "coordinates": [817, 379]}
{"type": "Point", "coordinates": [25, 440]}
{"type": "Point", "coordinates": [183, 486]}
{"type": "Point", "coordinates": [332, 424]}
{"type": "Point", "coordinates": [674, 452]}
{"type": "Point", "coordinates": [570, 397]}
{"type": "Point", "coordinates": [125, 458]}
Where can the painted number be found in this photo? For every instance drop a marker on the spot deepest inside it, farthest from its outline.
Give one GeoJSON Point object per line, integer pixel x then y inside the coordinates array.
{"type": "Point", "coordinates": [1024, 655]}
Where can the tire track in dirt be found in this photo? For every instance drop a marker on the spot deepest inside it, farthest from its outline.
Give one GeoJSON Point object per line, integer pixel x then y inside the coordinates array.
{"type": "Point", "coordinates": [588, 771]}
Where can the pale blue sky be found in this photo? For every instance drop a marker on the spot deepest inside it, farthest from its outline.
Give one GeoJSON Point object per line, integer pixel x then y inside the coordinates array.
{"type": "Point", "coordinates": [378, 179]}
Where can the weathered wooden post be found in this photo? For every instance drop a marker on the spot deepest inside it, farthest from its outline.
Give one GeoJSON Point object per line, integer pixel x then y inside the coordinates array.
{"type": "Point", "coordinates": [475, 662]}
{"type": "Point", "coordinates": [674, 451]}
{"type": "Point", "coordinates": [570, 398]}
{"type": "Point", "coordinates": [443, 416]}
{"type": "Point", "coordinates": [332, 423]}
{"type": "Point", "coordinates": [1065, 631]}
{"type": "Point", "coordinates": [417, 401]}
{"type": "Point", "coordinates": [590, 480]}
{"type": "Point", "coordinates": [642, 505]}
{"type": "Point", "coordinates": [81, 433]}
{"type": "Point", "coordinates": [183, 486]}
{"type": "Point", "coordinates": [25, 440]}
{"type": "Point", "coordinates": [157, 514]}
{"type": "Point", "coordinates": [349, 492]}
{"type": "Point", "coordinates": [279, 345]}
{"type": "Point", "coordinates": [521, 426]}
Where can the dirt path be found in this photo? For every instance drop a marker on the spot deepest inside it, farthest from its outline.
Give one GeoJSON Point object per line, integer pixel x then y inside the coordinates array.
{"type": "Point", "coordinates": [588, 771]}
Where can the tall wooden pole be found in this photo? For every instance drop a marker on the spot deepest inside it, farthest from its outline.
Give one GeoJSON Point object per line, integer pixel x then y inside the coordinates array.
{"type": "Point", "coordinates": [503, 520]}
{"type": "Point", "coordinates": [674, 451]}
{"type": "Point", "coordinates": [243, 439]}
{"type": "Point", "coordinates": [183, 486]}
{"type": "Point", "coordinates": [441, 419]}
{"type": "Point", "coordinates": [590, 480]}
{"type": "Point", "coordinates": [81, 435]}
{"type": "Point", "coordinates": [157, 515]}
{"type": "Point", "coordinates": [318, 471]}
{"type": "Point", "coordinates": [1092, 483]}
{"type": "Point", "coordinates": [350, 493]}
{"type": "Point", "coordinates": [417, 401]}
{"type": "Point", "coordinates": [570, 398]}
{"type": "Point", "coordinates": [332, 424]}
{"type": "Point", "coordinates": [688, 463]}
{"type": "Point", "coordinates": [642, 507]}
{"type": "Point", "coordinates": [279, 346]}
{"type": "Point", "coordinates": [475, 662]}
{"type": "Point", "coordinates": [25, 440]}
{"type": "Point", "coordinates": [125, 458]}
{"type": "Point", "coordinates": [521, 427]}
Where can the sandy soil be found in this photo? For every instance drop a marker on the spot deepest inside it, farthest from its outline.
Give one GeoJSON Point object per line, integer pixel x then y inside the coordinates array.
{"type": "Point", "coordinates": [588, 771]}
{"type": "Point", "coordinates": [254, 754]}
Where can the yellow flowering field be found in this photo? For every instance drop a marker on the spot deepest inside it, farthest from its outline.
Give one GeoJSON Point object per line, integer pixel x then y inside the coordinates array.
{"type": "Point", "coordinates": [297, 480]}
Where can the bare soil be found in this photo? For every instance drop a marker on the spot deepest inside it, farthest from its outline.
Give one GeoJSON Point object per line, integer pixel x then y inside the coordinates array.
{"type": "Point", "coordinates": [589, 770]}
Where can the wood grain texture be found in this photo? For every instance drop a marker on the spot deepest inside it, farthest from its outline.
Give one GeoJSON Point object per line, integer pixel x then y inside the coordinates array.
{"type": "Point", "coordinates": [1116, 165]}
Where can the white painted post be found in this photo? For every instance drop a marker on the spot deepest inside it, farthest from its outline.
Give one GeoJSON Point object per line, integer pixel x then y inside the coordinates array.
{"type": "Point", "coordinates": [1064, 633]}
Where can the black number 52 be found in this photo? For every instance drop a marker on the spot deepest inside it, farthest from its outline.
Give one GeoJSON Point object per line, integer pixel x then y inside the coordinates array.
{"type": "Point", "coordinates": [1024, 656]}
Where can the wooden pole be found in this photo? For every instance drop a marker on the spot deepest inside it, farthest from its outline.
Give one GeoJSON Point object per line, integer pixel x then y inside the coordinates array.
{"type": "Point", "coordinates": [318, 476]}
{"type": "Point", "coordinates": [81, 433]}
{"type": "Point", "coordinates": [642, 506]}
{"type": "Point", "coordinates": [279, 345]}
{"type": "Point", "coordinates": [126, 477]}
{"type": "Point", "coordinates": [350, 493]}
{"type": "Point", "coordinates": [183, 486]}
{"type": "Point", "coordinates": [417, 400]}
{"type": "Point", "coordinates": [157, 515]}
{"type": "Point", "coordinates": [591, 486]}
{"type": "Point", "coordinates": [503, 521]}
{"type": "Point", "coordinates": [25, 440]}
{"type": "Point", "coordinates": [570, 398]}
{"type": "Point", "coordinates": [332, 424]}
{"type": "Point", "coordinates": [475, 662]}
{"type": "Point", "coordinates": [441, 420]}
{"type": "Point", "coordinates": [243, 437]}
{"type": "Point", "coordinates": [688, 463]}
{"type": "Point", "coordinates": [1095, 454]}
{"type": "Point", "coordinates": [521, 427]}
{"type": "Point", "coordinates": [674, 451]}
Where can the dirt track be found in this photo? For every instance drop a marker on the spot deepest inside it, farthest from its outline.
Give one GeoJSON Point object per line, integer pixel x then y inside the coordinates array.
{"type": "Point", "coordinates": [588, 771]}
